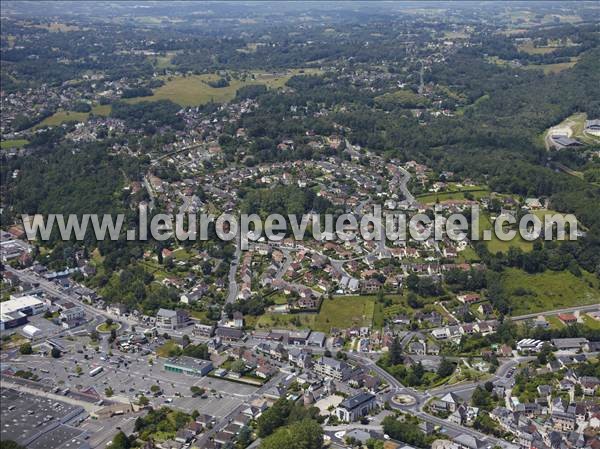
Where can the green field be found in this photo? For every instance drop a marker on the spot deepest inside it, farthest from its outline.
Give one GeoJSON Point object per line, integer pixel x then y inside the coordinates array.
{"type": "Point", "coordinates": [495, 244]}
{"type": "Point", "coordinates": [60, 117]}
{"type": "Point", "coordinates": [431, 198]}
{"type": "Point", "coordinates": [591, 322]}
{"type": "Point", "coordinates": [15, 143]}
{"type": "Point", "coordinates": [552, 68]}
{"type": "Point", "coordinates": [548, 290]}
{"type": "Point", "coordinates": [532, 50]}
{"type": "Point", "coordinates": [340, 312]}
{"type": "Point", "coordinates": [193, 90]}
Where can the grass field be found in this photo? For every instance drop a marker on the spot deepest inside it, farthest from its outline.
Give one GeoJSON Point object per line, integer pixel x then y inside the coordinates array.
{"type": "Point", "coordinates": [340, 312]}
{"type": "Point", "coordinates": [549, 290]}
{"type": "Point", "coordinates": [529, 48]}
{"type": "Point", "coordinates": [15, 143]}
{"type": "Point", "coordinates": [431, 198]}
{"type": "Point", "coordinates": [546, 68]}
{"type": "Point", "coordinates": [591, 322]}
{"type": "Point", "coordinates": [552, 68]}
{"type": "Point", "coordinates": [495, 244]}
{"type": "Point", "coordinates": [105, 328]}
{"type": "Point", "coordinates": [60, 117]}
{"type": "Point", "coordinates": [166, 349]}
{"type": "Point", "coordinates": [193, 90]}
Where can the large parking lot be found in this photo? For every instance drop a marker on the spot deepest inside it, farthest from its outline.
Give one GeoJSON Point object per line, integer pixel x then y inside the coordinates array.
{"type": "Point", "coordinates": [129, 375]}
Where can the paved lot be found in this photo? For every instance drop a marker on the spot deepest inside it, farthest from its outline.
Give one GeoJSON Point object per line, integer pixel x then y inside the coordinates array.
{"type": "Point", "coordinates": [130, 375]}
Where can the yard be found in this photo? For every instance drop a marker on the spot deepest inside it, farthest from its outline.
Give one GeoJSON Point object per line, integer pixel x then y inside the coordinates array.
{"type": "Point", "coordinates": [530, 293]}
{"type": "Point", "coordinates": [340, 312]}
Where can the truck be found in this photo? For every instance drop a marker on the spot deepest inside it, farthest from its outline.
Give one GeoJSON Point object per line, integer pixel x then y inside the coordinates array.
{"type": "Point", "coordinates": [95, 371]}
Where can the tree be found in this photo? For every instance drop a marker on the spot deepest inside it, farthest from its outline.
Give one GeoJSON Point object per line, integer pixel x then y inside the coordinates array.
{"type": "Point", "coordinates": [396, 352]}
{"type": "Point", "coordinates": [239, 366]}
{"type": "Point", "coordinates": [155, 389]}
{"type": "Point", "coordinates": [481, 398]}
{"type": "Point", "coordinates": [197, 391]}
{"type": "Point", "coordinates": [305, 434]}
{"type": "Point", "coordinates": [55, 353]}
{"type": "Point", "coordinates": [108, 392]}
{"type": "Point", "coordinates": [407, 431]}
{"type": "Point", "coordinates": [26, 349]}
{"type": "Point", "coordinates": [143, 401]}
{"type": "Point", "coordinates": [9, 444]}
{"type": "Point", "coordinates": [120, 441]}
{"type": "Point", "coordinates": [446, 368]}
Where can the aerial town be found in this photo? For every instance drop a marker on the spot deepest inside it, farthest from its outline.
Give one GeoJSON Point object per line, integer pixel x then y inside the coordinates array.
{"type": "Point", "coordinates": [338, 108]}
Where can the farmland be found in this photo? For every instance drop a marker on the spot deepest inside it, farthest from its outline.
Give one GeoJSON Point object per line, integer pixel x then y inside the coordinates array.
{"type": "Point", "coordinates": [194, 90]}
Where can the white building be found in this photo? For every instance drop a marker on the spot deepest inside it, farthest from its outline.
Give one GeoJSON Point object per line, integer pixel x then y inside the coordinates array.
{"type": "Point", "coordinates": [14, 312]}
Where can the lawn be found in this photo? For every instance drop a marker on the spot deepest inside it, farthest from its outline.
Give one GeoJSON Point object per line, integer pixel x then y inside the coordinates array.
{"type": "Point", "coordinates": [346, 311]}
{"type": "Point", "coordinates": [15, 143]}
{"type": "Point", "coordinates": [105, 328]}
{"type": "Point", "coordinates": [530, 293]}
{"type": "Point", "coordinates": [193, 90]}
{"type": "Point", "coordinates": [431, 198]}
{"type": "Point", "coordinates": [60, 116]}
{"type": "Point", "coordinates": [340, 312]}
{"type": "Point", "coordinates": [167, 349]}
{"type": "Point", "coordinates": [591, 322]}
{"type": "Point", "coordinates": [554, 322]}
{"type": "Point", "coordinates": [495, 244]}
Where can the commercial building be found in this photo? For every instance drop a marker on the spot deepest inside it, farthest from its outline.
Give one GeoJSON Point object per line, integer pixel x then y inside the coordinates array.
{"type": "Point", "coordinates": [40, 423]}
{"type": "Point", "coordinates": [355, 407]}
{"type": "Point", "coordinates": [189, 366]}
{"type": "Point", "coordinates": [335, 369]}
{"type": "Point", "coordinates": [14, 312]}
{"type": "Point", "coordinates": [171, 319]}
{"type": "Point", "coordinates": [71, 312]}
{"type": "Point", "coordinates": [316, 339]}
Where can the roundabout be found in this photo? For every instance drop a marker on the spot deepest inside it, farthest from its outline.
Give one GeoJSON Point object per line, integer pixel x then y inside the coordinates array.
{"type": "Point", "coordinates": [105, 328]}
{"type": "Point", "coordinates": [404, 400]}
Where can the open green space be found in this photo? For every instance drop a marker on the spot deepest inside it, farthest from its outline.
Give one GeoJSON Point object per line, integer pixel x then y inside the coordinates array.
{"type": "Point", "coordinates": [591, 322]}
{"type": "Point", "coordinates": [167, 349]}
{"type": "Point", "coordinates": [530, 293]}
{"type": "Point", "coordinates": [495, 244]}
{"type": "Point", "coordinates": [106, 328]}
{"type": "Point", "coordinates": [339, 312]}
{"type": "Point", "coordinates": [194, 90]}
{"type": "Point", "coordinates": [431, 198]}
{"type": "Point", "coordinates": [15, 143]}
{"type": "Point", "coordinates": [61, 116]}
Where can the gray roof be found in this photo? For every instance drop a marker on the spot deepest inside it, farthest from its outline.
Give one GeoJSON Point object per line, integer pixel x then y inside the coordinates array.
{"type": "Point", "coordinates": [167, 313]}
{"type": "Point", "coordinates": [356, 401]}
{"type": "Point", "coordinates": [565, 141]}
{"type": "Point", "coordinates": [316, 337]}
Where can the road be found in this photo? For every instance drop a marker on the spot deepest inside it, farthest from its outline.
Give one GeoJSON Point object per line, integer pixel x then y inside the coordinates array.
{"type": "Point", "coordinates": [150, 193]}
{"type": "Point", "coordinates": [587, 308]}
{"type": "Point", "coordinates": [404, 186]}
{"type": "Point", "coordinates": [233, 287]}
{"type": "Point", "coordinates": [421, 398]}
